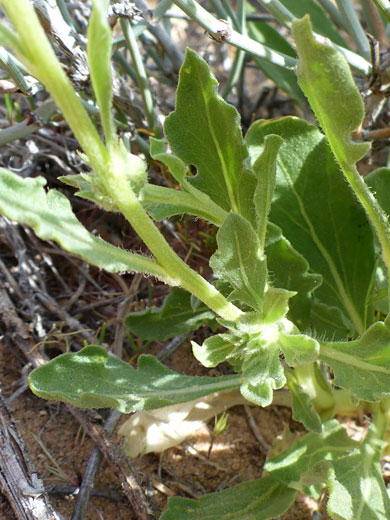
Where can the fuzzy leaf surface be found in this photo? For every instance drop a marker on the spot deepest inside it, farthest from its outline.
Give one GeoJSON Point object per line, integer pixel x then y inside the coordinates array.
{"type": "Point", "coordinates": [362, 366]}
{"type": "Point", "coordinates": [326, 79]}
{"type": "Point", "coordinates": [204, 131]}
{"type": "Point", "coordinates": [93, 379]}
{"type": "Point", "coordinates": [261, 499]}
{"type": "Point", "coordinates": [174, 202]}
{"type": "Point", "coordinates": [238, 259]}
{"type": "Point", "coordinates": [356, 487]}
{"type": "Point", "coordinates": [51, 217]}
{"type": "Point", "coordinates": [176, 316]}
{"type": "Point", "coordinates": [306, 464]}
{"type": "Point", "coordinates": [303, 410]}
{"type": "Point", "coordinates": [319, 215]}
{"type": "Point", "coordinates": [290, 270]}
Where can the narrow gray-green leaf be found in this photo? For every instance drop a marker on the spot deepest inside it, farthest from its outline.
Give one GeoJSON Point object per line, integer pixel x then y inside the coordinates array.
{"type": "Point", "coordinates": [204, 131]}
{"type": "Point", "coordinates": [176, 316]}
{"type": "Point", "coordinates": [306, 464]}
{"type": "Point", "coordinates": [265, 170]}
{"type": "Point", "coordinates": [261, 499]}
{"type": "Point", "coordinates": [93, 379]}
{"type": "Point", "coordinates": [51, 217]}
{"type": "Point", "coordinates": [99, 59]}
{"type": "Point", "coordinates": [311, 200]}
{"type": "Point", "coordinates": [286, 79]}
{"type": "Point", "coordinates": [362, 366]}
{"type": "Point", "coordinates": [239, 260]}
{"type": "Point", "coordinates": [321, 23]}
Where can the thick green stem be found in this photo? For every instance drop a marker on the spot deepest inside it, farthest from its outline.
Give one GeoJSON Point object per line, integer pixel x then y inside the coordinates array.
{"type": "Point", "coordinates": [42, 62]}
{"type": "Point", "coordinates": [125, 199]}
{"type": "Point", "coordinates": [40, 57]}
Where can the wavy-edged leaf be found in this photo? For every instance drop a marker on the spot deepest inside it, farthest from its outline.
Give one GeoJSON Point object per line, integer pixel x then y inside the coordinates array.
{"type": "Point", "coordinates": [303, 409]}
{"type": "Point", "coordinates": [92, 378]}
{"type": "Point", "coordinates": [265, 170]}
{"type": "Point", "coordinates": [320, 215]}
{"type": "Point", "coordinates": [362, 366]}
{"type": "Point", "coordinates": [162, 202]}
{"type": "Point", "coordinates": [261, 499]}
{"type": "Point", "coordinates": [306, 464]}
{"type": "Point", "coordinates": [176, 316]}
{"type": "Point", "coordinates": [239, 260]}
{"type": "Point", "coordinates": [262, 373]}
{"type": "Point", "coordinates": [326, 79]}
{"type": "Point", "coordinates": [51, 217]}
{"type": "Point", "coordinates": [204, 131]}
{"type": "Point", "coordinates": [99, 59]}
{"type": "Point", "coordinates": [356, 487]}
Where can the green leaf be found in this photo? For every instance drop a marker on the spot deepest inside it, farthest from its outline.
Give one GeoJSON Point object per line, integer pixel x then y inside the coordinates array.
{"type": "Point", "coordinates": [298, 349]}
{"type": "Point", "coordinates": [311, 200]}
{"type": "Point", "coordinates": [175, 202]}
{"type": "Point", "coordinates": [214, 350]}
{"type": "Point", "coordinates": [290, 270]}
{"type": "Point", "coordinates": [262, 372]}
{"type": "Point", "coordinates": [362, 366]}
{"type": "Point", "coordinates": [238, 259]}
{"type": "Point", "coordinates": [204, 131]}
{"type": "Point", "coordinates": [325, 78]}
{"type": "Point", "coordinates": [329, 322]}
{"type": "Point", "coordinates": [175, 317]}
{"type": "Point", "coordinates": [51, 217]}
{"type": "Point", "coordinates": [306, 464]}
{"type": "Point", "coordinates": [261, 499]}
{"type": "Point", "coordinates": [93, 379]}
{"type": "Point", "coordinates": [356, 487]}
{"type": "Point", "coordinates": [379, 182]}
{"type": "Point", "coordinates": [303, 409]}
{"type": "Point", "coordinates": [99, 59]}
{"type": "Point", "coordinates": [265, 170]}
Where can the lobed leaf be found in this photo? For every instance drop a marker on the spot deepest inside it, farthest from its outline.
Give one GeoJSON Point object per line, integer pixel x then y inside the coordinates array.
{"type": "Point", "coordinates": [326, 79]}
{"type": "Point", "coordinates": [356, 487]}
{"type": "Point", "coordinates": [362, 366]}
{"type": "Point", "coordinates": [306, 464]}
{"type": "Point", "coordinates": [320, 215]}
{"type": "Point", "coordinates": [302, 408]}
{"type": "Point", "coordinates": [239, 260]}
{"type": "Point", "coordinates": [51, 217]}
{"type": "Point", "coordinates": [261, 499]}
{"type": "Point", "coordinates": [204, 131]}
{"type": "Point", "coordinates": [93, 379]}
